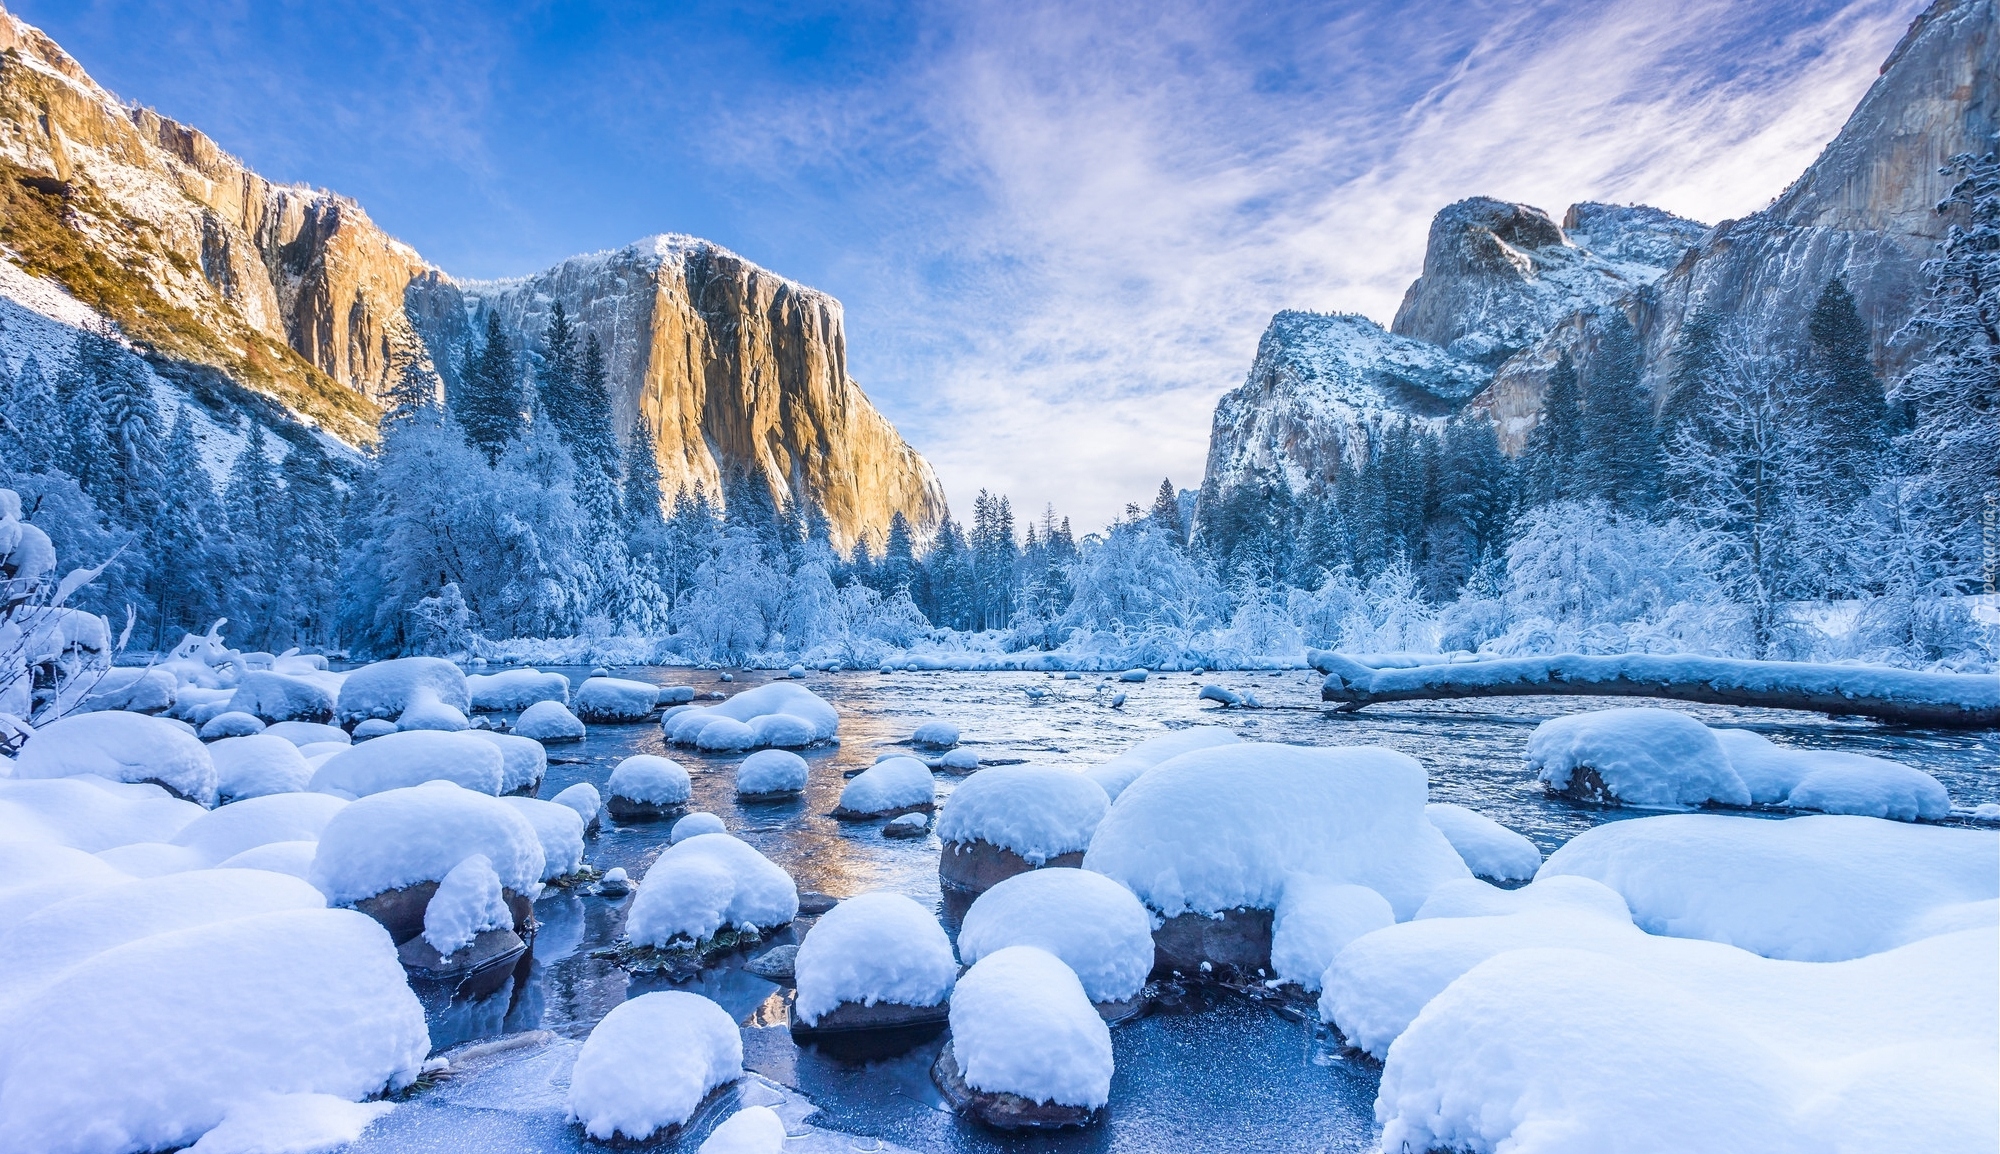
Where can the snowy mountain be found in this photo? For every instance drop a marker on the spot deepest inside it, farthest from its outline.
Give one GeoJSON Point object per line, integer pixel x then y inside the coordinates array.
{"type": "Point", "coordinates": [246, 296]}
{"type": "Point", "coordinates": [1506, 292]}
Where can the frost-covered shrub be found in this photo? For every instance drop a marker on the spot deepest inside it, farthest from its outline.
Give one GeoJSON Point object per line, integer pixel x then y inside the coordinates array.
{"type": "Point", "coordinates": [1582, 577]}
{"type": "Point", "coordinates": [1137, 579]}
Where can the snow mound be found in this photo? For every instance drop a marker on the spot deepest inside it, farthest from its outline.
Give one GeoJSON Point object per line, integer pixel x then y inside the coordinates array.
{"type": "Point", "coordinates": [401, 837]}
{"type": "Point", "coordinates": [1022, 1024]}
{"type": "Point", "coordinates": [137, 690]}
{"type": "Point", "coordinates": [1098, 929]}
{"type": "Point", "coordinates": [1490, 849]}
{"type": "Point", "coordinates": [524, 760]}
{"type": "Point", "coordinates": [230, 725]}
{"type": "Point", "coordinates": [256, 765]}
{"type": "Point", "coordinates": [649, 1063]}
{"type": "Point", "coordinates": [615, 699]}
{"type": "Point", "coordinates": [1123, 770]}
{"type": "Point", "coordinates": [935, 735]}
{"type": "Point", "coordinates": [290, 1124]}
{"type": "Point", "coordinates": [1713, 1049]}
{"type": "Point", "coordinates": [726, 735]}
{"type": "Point", "coordinates": [649, 778]}
{"type": "Point", "coordinates": [1652, 758]}
{"type": "Point", "coordinates": [468, 902]}
{"type": "Point", "coordinates": [136, 1041]}
{"type": "Point", "coordinates": [779, 731]}
{"type": "Point", "coordinates": [42, 946]}
{"type": "Point", "coordinates": [121, 746]}
{"type": "Point", "coordinates": [228, 830]}
{"type": "Point", "coordinates": [308, 732]}
{"type": "Point", "coordinates": [676, 694]}
{"type": "Point", "coordinates": [1375, 987]}
{"type": "Point", "coordinates": [400, 760]}
{"type": "Point", "coordinates": [694, 825]}
{"type": "Point", "coordinates": [515, 689]}
{"type": "Point", "coordinates": [1315, 920]}
{"type": "Point", "coordinates": [898, 783]}
{"type": "Point", "coordinates": [1226, 827]}
{"type": "Point", "coordinates": [1831, 781]}
{"type": "Point", "coordinates": [385, 689]}
{"type": "Point", "coordinates": [548, 721]}
{"type": "Point", "coordinates": [1034, 810]}
{"type": "Point", "coordinates": [583, 798]}
{"type": "Point", "coordinates": [372, 728]}
{"type": "Point", "coordinates": [1822, 888]}
{"type": "Point", "coordinates": [90, 813]}
{"type": "Point", "coordinates": [277, 697]}
{"type": "Point", "coordinates": [690, 725]}
{"type": "Point", "coordinates": [707, 883]}
{"type": "Point", "coordinates": [872, 948]}
{"type": "Point", "coordinates": [771, 771]}
{"type": "Point", "coordinates": [425, 711]}
{"type": "Point", "coordinates": [282, 857]}
{"type": "Point", "coordinates": [1473, 898]}
{"type": "Point", "coordinates": [560, 830]}
{"type": "Point", "coordinates": [751, 1130]}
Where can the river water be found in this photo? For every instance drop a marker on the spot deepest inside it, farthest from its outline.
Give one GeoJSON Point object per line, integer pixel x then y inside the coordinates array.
{"type": "Point", "coordinates": [1212, 1072]}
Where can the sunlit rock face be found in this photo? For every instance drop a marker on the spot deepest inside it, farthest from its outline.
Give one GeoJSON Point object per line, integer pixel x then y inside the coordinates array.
{"type": "Point", "coordinates": [1865, 210]}
{"type": "Point", "coordinates": [731, 367]}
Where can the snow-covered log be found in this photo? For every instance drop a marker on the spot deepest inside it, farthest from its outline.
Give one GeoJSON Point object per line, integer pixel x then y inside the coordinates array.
{"type": "Point", "coordinates": [1950, 700]}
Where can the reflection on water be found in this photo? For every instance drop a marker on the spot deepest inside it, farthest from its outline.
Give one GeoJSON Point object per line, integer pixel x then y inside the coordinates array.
{"type": "Point", "coordinates": [1224, 1074]}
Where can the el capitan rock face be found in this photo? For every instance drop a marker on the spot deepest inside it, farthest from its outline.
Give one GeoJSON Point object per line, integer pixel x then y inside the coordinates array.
{"type": "Point", "coordinates": [294, 295]}
{"type": "Point", "coordinates": [731, 366]}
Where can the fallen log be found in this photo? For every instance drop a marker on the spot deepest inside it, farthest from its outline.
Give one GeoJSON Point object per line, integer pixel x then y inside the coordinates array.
{"type": "Point", "coordinates": [1942, 700]}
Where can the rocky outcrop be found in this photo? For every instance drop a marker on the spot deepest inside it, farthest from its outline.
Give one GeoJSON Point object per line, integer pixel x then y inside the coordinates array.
{"type": "Point", "coordinates": [293, 294]}
{"type": "Point", "coordinates": [731, 367]}
{"type": "Point", "coordinates": [1866, 209]}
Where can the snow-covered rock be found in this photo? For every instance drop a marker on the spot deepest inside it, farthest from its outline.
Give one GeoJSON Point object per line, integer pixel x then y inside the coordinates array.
{"type": "Point", "coordinates": [870, 949]}
{"type": "Point", "coordinates": [89, 813]}
{"type": "Point", "coordinates": [371, 729]}
{"type": "Point", "coordinates": [560, 830]}
{"type": "Point", "coordinates": [1315, 920]}
{"type": "Point", "coordinates": [278, 697]}
{"type": "Point", "coordinates": [583, 798]}
{"type": "Point", "coordinates": [515, 689]}
{"type": "Point", "coordinates": [548, 721]}
{"type": "Point", "coordinates": [136, 690]}
{"type": "Point", "coordinates": [426, 711]}
{"type": "Point", "coordinates": [229, 725]}
{"type": "Point", "coordinates": [958, 761]}
{"type": "Point", "coordinates": [308, 732]}
{"type": "Point", "coordinates": [398, 760]}
{"type": "Point", "coordinates": [256, 765]}
{"type": "Point", "coordinates": [779, 731]}
{"type": "Point", "coordinates": [650, 1062]}
{"type": "Point", "coordinates": [771, 773]}
{"type": "Point", "coordinates": [615, 699]}
{"type": "Point", "coordinates": [524, 760]}
{"type": "Point", "coordinates": [690, 726]}
{"type": "Point", "coordinates": [1123, 770]}
{"type": "Point", "coordinates": [121, 746]}
{"type": "Point", "coordinates": [1225, 828]}
{"type": "Point", "coordinates": [675, 694]}
{"type": "Point", "coordinates": [1098, 929]}
{"type": "Point", "coordinates": [751, 1130]}
{"type": "Point", "coordinates": [1490, 849]}
{"type": "Point", "coordinates": [137, 1041]}
{"type": "Point", "coordinates": [1832, 781]}
{"type": "Point", "coordinates": [290, 1124]}
{"type": "Point", "coordinates": [1012, 818]}
{"type": "Point", "coordinates": [935, 735]}
{"type": "Point", "coordinates": [385, 689]}
{"type": "Point", "coordinates": [709, 883]}
{"type": "Point", "coordinates": [468, 902]}
{"type": "Point", "coordinates": [726, 735]}
{"type": "Point", "coordinates": [1653, 758]}
{"type": "Point", "coordinates": [1822, 888]}
{"type": "Point", "coordinates": [404, 837]}
{"type": "Point", "coordinates": [1893, 1051]}
{"type": "Point", "coordinates": [646, 785]}
{"type": "Point", "coordinates": [895, 786]}
{"type": "Point", "coordinates": [1023, 1028]}
{"type": "Point", "coordinates": [228, 830]}
{"type": "Point", "coordinates": [694, 825]}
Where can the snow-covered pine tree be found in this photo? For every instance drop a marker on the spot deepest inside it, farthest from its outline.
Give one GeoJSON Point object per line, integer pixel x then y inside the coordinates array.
{"type": "Point", "coordinates": [596, 439]}
{"type": "Point", "coordinates": [491, 414]}
{"type": "Point", "coordinates": [36, 437]}
{"type": "Point", "coordinates": [126, 487]}
{"type": "Point", "coordinates": [1552, 458]}
{"type": "Point", "coordinates": [642, 497]}
{"type": "Point", "coordinates": [78, 390]}
{"type": "Point", "coordinates": [413, 394]}
{"type": "Point", "coordinates": [251, 506]}
{"type": "Point", "coordinates": [1956, 388]}
{"type": "Point", "coordinates": [555, 377]}
{"type": "Point", "coordinates": [1619, 455]}
{"type": "Point", "coordinates": [190, 541]}
{"type": "Point", "coordinates": [1166, 512]}
{"type": "Point", "coordinates": [308, 551]}
{"type": "Point", "coordinates": [1852, 410]}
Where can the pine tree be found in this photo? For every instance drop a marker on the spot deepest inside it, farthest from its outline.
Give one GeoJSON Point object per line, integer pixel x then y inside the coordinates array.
{"type": "Point", "coordinates": [642, 483]}
{"type": "Point", "coordinates": [899, 559]}
{"type": "Point", "coordinates": [491, 415]}
{"type": "Point", "coordinates": [1166, 513]}
{"type": "Point", "coordinates": [36, 436]}
{"type": "Point", "coordinates": [594, 439]}
{"type": "Point", "coordinates": [190, 548]}
{"type": "Point", "coordinates": [1555, 446]}
{"type": "Point", "coordinates": [1619, 455]}
{"type": "Point", "coordinates": [555, 379]}
{"type": "Point", "coordinates": [78, 392]}
{"type": "Point", "coordinates": [128, 488]}
{"type": "Point", "coordinates": [413, 395]}
{"type": "Point", "coordinates": [250, 502]}
{"type": "Point", "coordinates": [1852, 409]}
{"type": "Point", "coordinates": [308, 549]}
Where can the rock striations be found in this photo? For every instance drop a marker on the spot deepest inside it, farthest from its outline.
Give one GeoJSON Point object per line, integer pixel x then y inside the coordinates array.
{"type": "Point", "coordinates": [243, 292]}
{"type": "Point", "coordinates": [1506, 291]}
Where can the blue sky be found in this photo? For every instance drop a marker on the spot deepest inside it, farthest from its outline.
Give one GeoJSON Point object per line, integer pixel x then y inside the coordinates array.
{"type": "Point", "coordinates": [1058, 229]}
